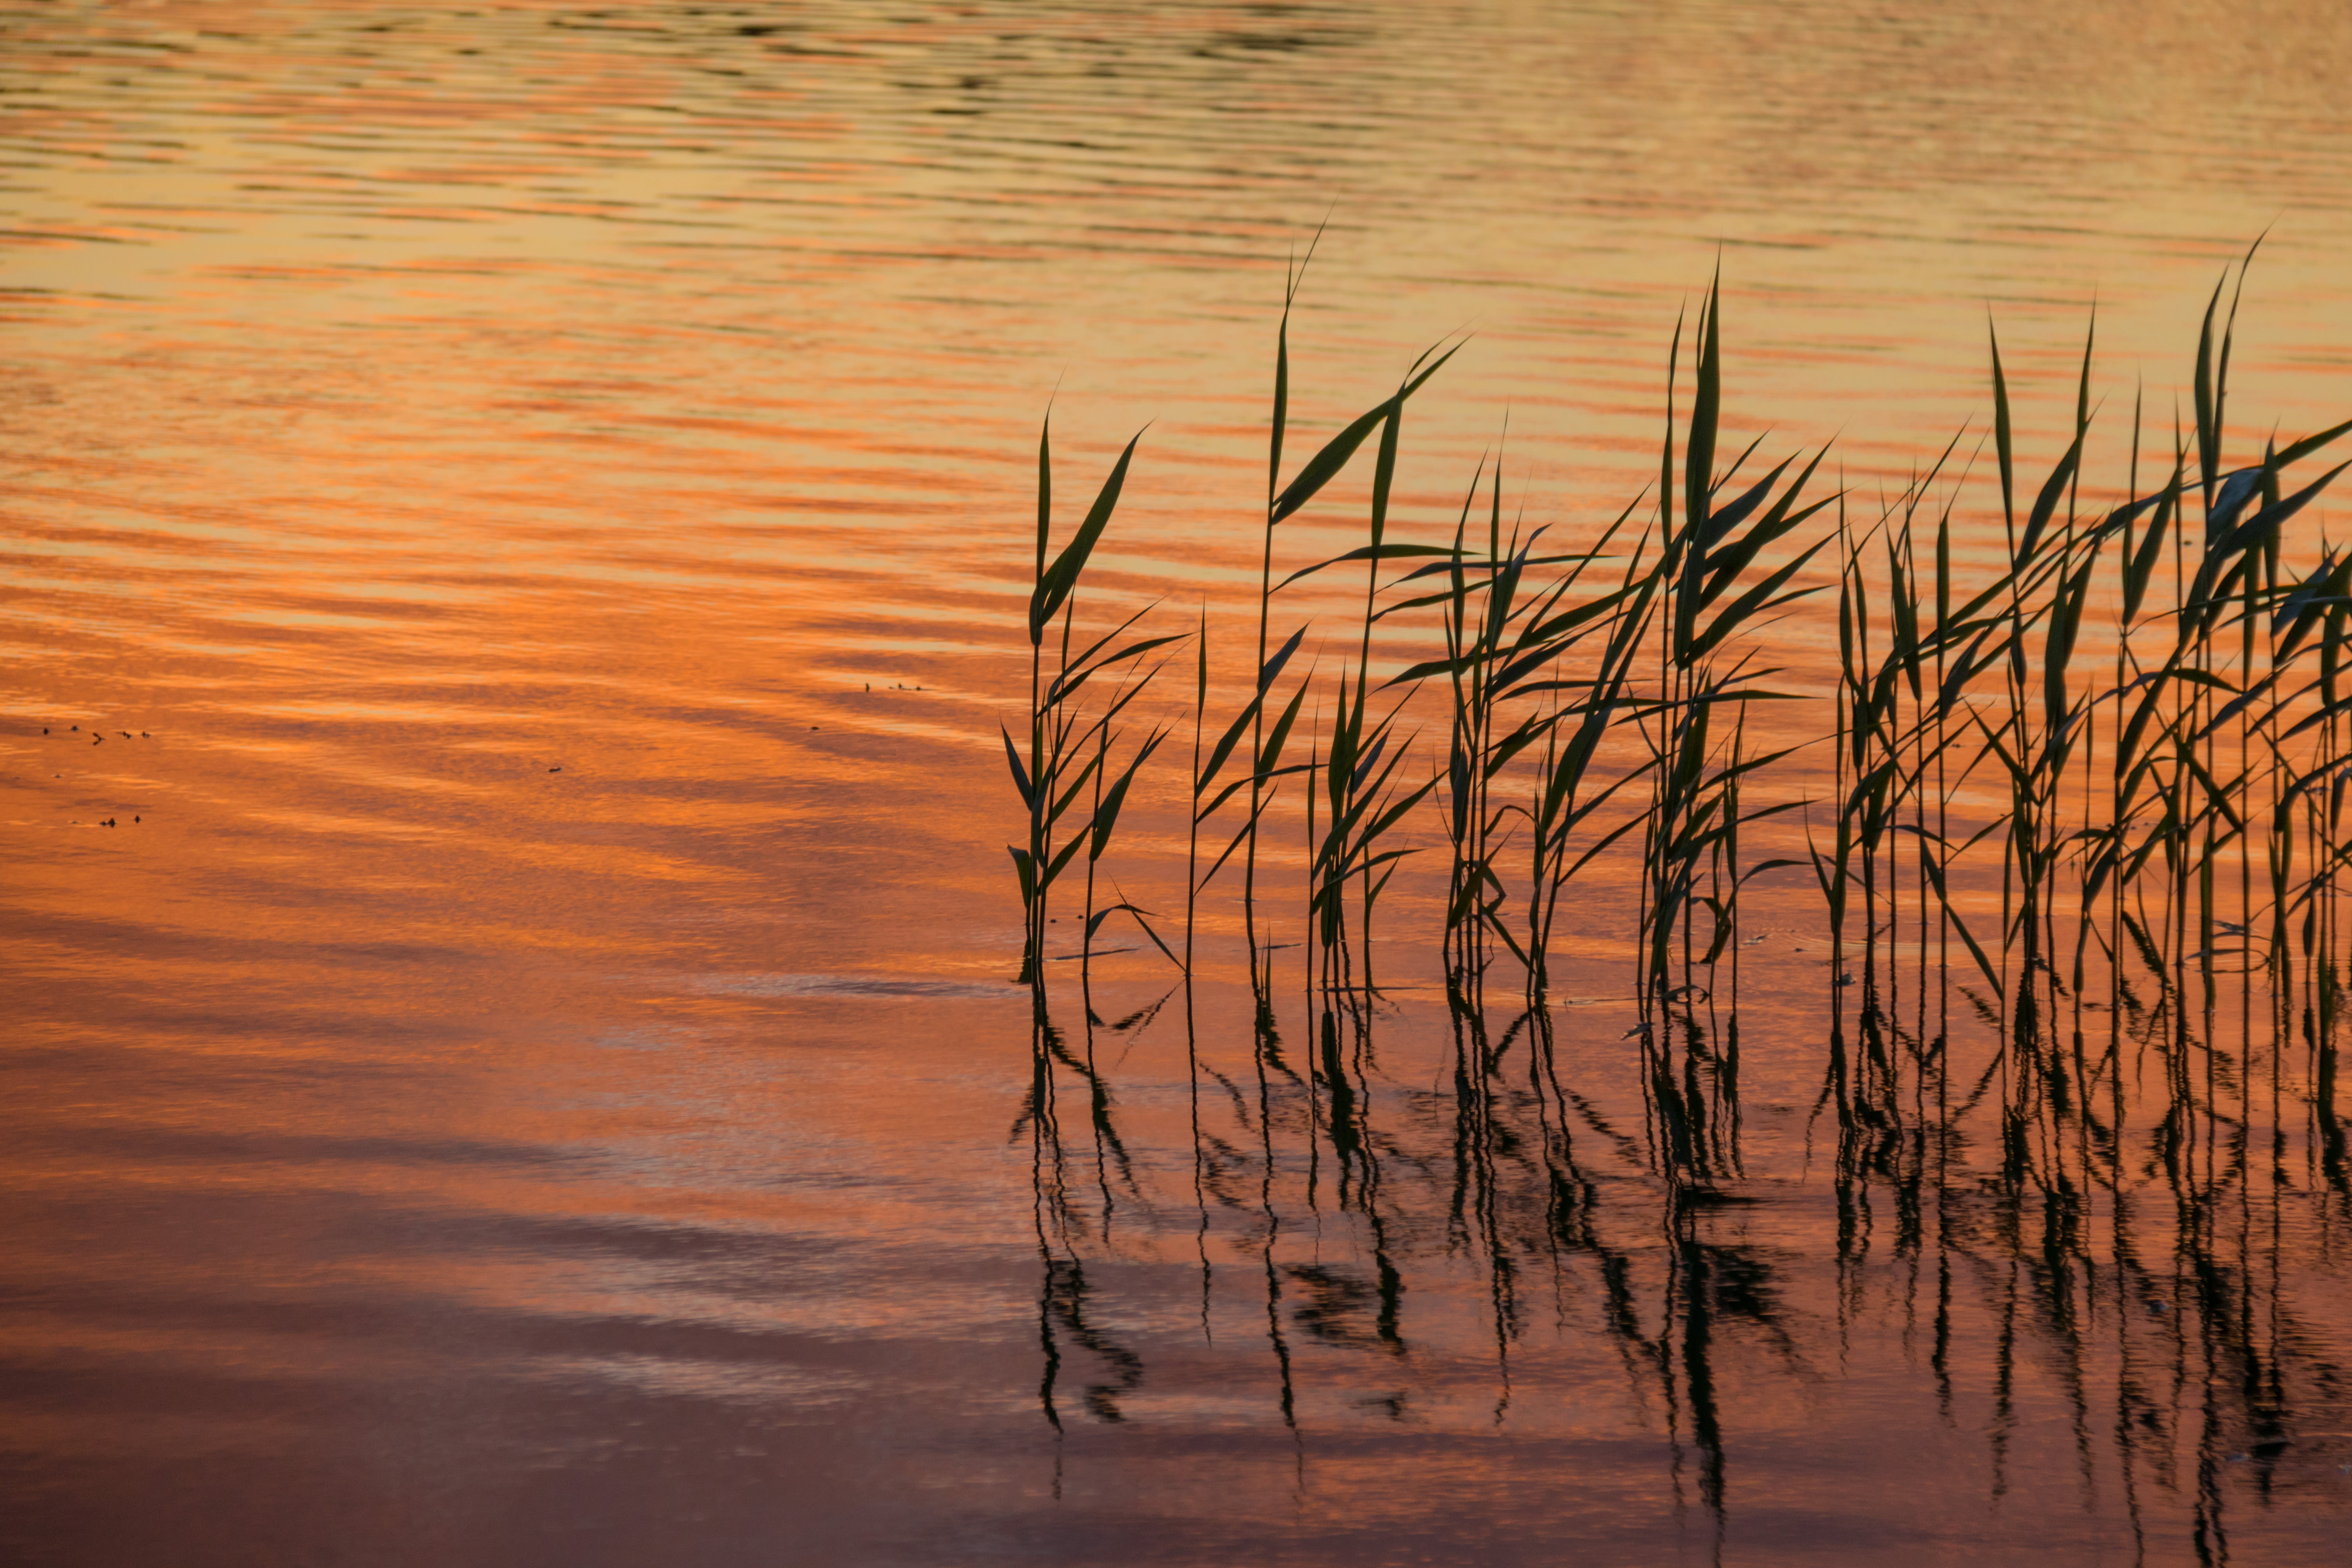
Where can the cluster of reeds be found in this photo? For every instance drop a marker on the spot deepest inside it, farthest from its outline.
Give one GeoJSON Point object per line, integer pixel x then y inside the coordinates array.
{"type": "Point", "coordinates": [2146, 758]}
{"type": "Point", "coordinates": [2095, 769]}
{"type": "Point", "coordinates": [2144, 796]}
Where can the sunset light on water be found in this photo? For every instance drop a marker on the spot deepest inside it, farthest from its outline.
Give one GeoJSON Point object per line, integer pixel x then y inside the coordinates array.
{"type": "Point", "coordinates": [520, 548]}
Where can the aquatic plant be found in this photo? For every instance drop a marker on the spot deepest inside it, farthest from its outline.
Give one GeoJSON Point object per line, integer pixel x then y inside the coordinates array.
{"type": "Point", "coordinates": [1597, 701]}
{"type": "Point", "coordinates": [1065, 733]}
{"type": "Point", "coordinates": [2058, 806]}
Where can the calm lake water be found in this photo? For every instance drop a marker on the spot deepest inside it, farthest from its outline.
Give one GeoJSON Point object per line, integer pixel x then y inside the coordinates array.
{"type": "Point", "coordinates": [517, 516]}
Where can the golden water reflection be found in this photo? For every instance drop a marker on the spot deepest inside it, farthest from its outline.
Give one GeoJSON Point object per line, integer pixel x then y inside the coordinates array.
{"type": "Point", "coordinates": [533, 499]}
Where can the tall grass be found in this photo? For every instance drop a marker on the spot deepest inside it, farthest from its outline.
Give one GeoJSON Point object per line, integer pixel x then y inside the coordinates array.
{"type": "Point", "coordinates": [2154, 769]}
{"type": "Point", "coordinates": [2088, 783]}
{"type": "Point", "coordinates": [1071, 738]}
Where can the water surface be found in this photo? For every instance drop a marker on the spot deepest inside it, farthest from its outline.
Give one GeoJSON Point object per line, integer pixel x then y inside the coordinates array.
{"type": "Point", "coordinates": [518, 516]}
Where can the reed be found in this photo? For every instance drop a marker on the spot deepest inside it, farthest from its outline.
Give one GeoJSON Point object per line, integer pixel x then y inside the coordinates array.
{"type": "Point", "coordinates": [2174, 800]}
{"type": "Point", "coordinates": [2065, 769]}
{"type": "Point", "coordinates": [1071, 741]}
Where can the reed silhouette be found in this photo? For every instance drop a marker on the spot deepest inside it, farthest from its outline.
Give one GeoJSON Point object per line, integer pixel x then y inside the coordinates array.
{"type": "Point", "coordinates": [2077, 827]}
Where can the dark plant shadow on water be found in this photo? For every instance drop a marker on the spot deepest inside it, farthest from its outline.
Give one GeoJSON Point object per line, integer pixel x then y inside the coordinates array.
{"type": "Point", "coordinates": [2100, 1196]}
{"type": "Point", "coordinates": [1064, 1295]}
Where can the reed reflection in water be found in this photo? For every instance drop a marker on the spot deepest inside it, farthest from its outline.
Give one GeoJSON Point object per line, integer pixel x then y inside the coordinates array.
{"type": "Point", "coordinates": [2083, 1288]}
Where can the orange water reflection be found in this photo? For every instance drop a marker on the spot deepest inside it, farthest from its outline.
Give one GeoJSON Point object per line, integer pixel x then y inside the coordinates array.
{"type": "Point", "coordinates": [543, 489]}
